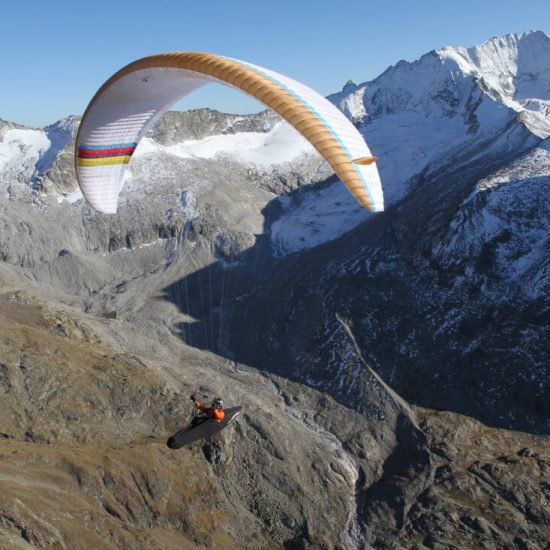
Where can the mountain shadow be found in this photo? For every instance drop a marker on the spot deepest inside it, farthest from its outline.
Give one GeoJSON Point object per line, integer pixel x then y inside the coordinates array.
{"type": "Point", "coordinates": [284, 315]}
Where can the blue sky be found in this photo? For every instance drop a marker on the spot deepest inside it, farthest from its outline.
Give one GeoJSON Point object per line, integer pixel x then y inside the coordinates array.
{"type": "Point", "coordinates": [55, 54]}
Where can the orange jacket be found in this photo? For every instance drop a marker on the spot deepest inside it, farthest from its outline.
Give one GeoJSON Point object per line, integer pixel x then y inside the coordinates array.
{"type": "Point", "coordinates": [216, 414]}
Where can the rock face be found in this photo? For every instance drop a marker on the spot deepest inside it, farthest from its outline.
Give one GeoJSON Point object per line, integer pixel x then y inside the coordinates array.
{"type": "Point", "coordinates": [486, 489]}
{"type": "Point", "coordinates": [84, 430]}
{"type": "Point", "coordinates": [210, 280]}
{"type": "Point", "coordinates": [174, 128]}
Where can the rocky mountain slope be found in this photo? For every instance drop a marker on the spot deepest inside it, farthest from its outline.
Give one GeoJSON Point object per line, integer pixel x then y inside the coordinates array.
{"type": "Point", "coordinates": [238, 265]}
{"type": "Point", "coordinates": [84, 461]}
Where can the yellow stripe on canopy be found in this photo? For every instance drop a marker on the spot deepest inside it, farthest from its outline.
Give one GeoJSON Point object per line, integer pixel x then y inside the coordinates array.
{"type": "Point", "coordinates": [105, 161]}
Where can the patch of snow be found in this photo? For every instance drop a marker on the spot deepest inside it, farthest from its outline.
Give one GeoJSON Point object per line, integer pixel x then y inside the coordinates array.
{"type": "Point", "coordinates": [282, 144]}
{"type": "Point", "coordinates": [188, 202]}
{"type": "Point", "coordinates": [59, 135]}
{"type": "Point", "coordinates": [71, 198]}
{"type": "Point", "coordinates": [320, 216]}
{"type": "Point", "coordinates": [506, 221]}
{"type": "Point", "coordinates": [123, 249]}
{"type": "Point", "coordinates": [22, 148]}
{"type": "Point", "coordinates": [406, 143]}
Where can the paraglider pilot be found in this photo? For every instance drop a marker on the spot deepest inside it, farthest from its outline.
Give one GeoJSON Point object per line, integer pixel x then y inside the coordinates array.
{"type": "Point", "coordinates": [215, 411]}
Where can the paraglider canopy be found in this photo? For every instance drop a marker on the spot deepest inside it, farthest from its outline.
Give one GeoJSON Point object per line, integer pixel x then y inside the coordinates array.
{"type": "Point", "coordinates": [134, 98]}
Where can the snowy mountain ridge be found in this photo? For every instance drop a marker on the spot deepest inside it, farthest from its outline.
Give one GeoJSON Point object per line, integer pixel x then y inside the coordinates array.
{"type": "Point", "coordinates": [449, 101]}
{"type": "Point", "coordinates": [513, 69]}
{"type": "Point", "coordinates": [509, 207]}
{"type": "Point", "coordinates": [416, 116]}
{"type": "Point", "coordinates": [446, 108]}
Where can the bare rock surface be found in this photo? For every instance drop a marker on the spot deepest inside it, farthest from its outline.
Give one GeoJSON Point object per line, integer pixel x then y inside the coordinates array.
{"type": "Point", "coordinates": [84, 461]}
{"type": "Point", "coordinates": [490, 488]}
{"type": "Point", "coordinates": [84, 430]}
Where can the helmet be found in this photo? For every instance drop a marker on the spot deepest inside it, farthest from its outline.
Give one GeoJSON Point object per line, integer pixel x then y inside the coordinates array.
{"type": "Point", "coordinates": [217, 403]}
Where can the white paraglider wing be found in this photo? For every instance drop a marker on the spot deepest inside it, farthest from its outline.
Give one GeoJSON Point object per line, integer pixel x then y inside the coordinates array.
{"type": "Point", "coordinates": [133, 99]}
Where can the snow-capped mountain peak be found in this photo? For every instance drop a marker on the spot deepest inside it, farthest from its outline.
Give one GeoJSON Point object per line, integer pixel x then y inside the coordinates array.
{"type": "Point", "coordinates": [513, 69]}
{"type": "Point", "coordinates": [26, 154]}
{"type": "Point", "coordinates": [450, 103]}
